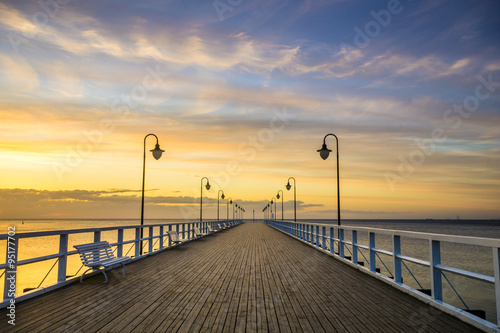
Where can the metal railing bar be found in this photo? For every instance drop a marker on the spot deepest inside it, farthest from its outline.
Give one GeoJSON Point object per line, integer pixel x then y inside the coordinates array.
{"type": "Point", "coordinates": [387, 268]}
{"type": "Point", "coordinates": [456, 292]}
{"type": "Point", "coordinates": [414, 278]}
{"type": "Point", "coordinates": [477, 276]}
{"type": "Point", "coordinates": [414, 260]}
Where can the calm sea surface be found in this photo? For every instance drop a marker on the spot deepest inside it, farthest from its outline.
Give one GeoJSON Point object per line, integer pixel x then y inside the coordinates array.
{"type": "Point", "coordinates": [476, 294]}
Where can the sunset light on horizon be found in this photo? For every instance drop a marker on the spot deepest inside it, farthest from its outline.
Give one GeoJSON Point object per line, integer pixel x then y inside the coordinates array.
{"type": "Point", "coordinates": [243, 92]}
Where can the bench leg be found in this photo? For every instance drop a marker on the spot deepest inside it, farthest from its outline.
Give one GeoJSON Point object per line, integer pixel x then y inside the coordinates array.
{"type": "Point", "coordinates": [125, 268]}
{"type": "Point", "coordinates": [105, 276]}
{"type": "Point", "coordinates": [81, 277]}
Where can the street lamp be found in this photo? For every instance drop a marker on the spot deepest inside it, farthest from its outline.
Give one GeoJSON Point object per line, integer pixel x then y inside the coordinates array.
{"type": "Point", "coordinates": [278, 196]}
{"type": "Point", "coordinates": [229, 201]}
{"type": "Point", "coordinates": [324, 152]}
{"type": "Point", "coordinates": [207, 186]}
{"type": "Point", "coordinates": [222, 197]}
{"type": "Point", "coordinates": [156, 154]}
{"type": "Point", "coordinates": [288, 187]}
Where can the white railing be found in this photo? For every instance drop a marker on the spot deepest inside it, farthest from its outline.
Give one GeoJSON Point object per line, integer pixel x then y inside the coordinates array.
{"type": "Point", "coordinates": [156, 234]}
{"type": "Point", "coordinates": [332, 240]}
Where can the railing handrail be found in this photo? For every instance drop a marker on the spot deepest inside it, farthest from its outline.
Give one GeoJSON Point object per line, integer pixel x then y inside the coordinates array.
{"type": "Point", "coordinates": [469, 240]}
{"type": "Point", "coordinates": [85, 230]}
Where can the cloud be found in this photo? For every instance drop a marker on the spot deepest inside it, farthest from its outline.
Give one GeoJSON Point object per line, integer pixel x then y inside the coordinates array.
{"type": "Point", "coordinates": [17, 75]}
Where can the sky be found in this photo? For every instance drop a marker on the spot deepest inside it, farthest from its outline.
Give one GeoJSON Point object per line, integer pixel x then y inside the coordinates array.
{"type": "Point", "coordinates": [243, 92]}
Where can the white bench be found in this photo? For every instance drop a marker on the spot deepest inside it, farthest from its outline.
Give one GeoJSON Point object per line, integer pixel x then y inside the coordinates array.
{"type": "Point", "coordinates": [174, 238]}
{"type": "Point", "coordinates": [96, 255]}
{"type": "Point", "coordinates": [198, 233]}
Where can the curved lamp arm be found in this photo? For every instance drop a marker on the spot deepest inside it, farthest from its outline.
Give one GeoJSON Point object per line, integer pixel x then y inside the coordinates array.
{"type": "Point", "coordinates": [324, 152]}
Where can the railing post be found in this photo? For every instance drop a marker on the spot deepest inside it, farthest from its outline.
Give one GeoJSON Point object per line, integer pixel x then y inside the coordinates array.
{"type": "Point", "coordinates": [119, 247]}
{"type": "Point", "coordinates": [341, 243]}
{"type": "Point", "coordinates": [332, 242]}
{"type": "Point", "coordinates": [10, 279]}
{"type": "Point", "coordinates": [150, 237]}
{"type": "Point", "coordinates": [63, 259]}
{"type": "Point", "coordinates": [184, 231]}
{"type": "Point", "coordinates": [396, 251]}
{"type": "Point", "coordinates": [307, 233]}
{"type": "Point", "coordinates": [496, 265]}
{"type": "Point", "coordinates": [323, 240]}
{"type": "Point", "coordinates": [436, 285]}
{"type": "Point", "coordinates": [137, 242]}
{"type": "Point", "coordinates": [97, 238]}
{"type": "Point", "coordinates": [317, 236]}
{"type": "Point", "coordinates": [354, 247]}
{"type": "Point", "coordinates": [169, 239]}
{"type": "Point", "coordinates": [373, 263]}
{"type": "Point", "coordinates": [161, 237]}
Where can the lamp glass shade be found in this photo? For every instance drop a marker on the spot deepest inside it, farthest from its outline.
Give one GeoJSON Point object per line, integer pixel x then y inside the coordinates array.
{"type": "Point", "coordinates": [222, 196]}
{"type": "Point", "coordinates": [324, 152]}
{"type": "Point", "coordinates": [157, 152]}
{"type": "Point", "coordinates": [272, 202]}
{"type": "Point", "coordinates": [288, 186]}
{"type": "Point", "coordinates": [277, 196]}
{"type": "Point", "coordinates": [207, 186]}
{"type": "Point", "coordinates": [231, 202]}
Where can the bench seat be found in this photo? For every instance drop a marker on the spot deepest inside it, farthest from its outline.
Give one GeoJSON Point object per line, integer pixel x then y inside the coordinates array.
{"type": "Point", "coordinates": [99, 254]}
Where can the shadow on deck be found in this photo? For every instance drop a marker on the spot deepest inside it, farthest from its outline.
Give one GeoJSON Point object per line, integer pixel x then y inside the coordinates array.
{"type": "Point", "coordinates": [248, 278]}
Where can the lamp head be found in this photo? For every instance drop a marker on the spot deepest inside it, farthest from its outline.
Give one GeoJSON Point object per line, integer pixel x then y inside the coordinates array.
{"type": "Point", "coordinates": [208, 185]}
{"type": "Point", "coordinates": [288, 186]}
{"type": "Point", "coordinates": [157, 152]}
{"type": "Point", "coordinates": [231, 201]}
{"type": "Point", "coordinates": [272, 201]}
{"type": "Point", "coordinates": [222, 196]}
{"type": "Point", "coordinates": [278, 195]}
{"type": "Point", "coordinates": [324, 152]}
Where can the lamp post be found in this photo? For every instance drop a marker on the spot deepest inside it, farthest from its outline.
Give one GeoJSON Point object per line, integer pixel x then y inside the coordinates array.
{"type": "Point", "coordinates": [273, 201]}
{"type": "Point", "coordinates": [277, 197]}
{"type": "Point", "coordinates": [229, 201]}
{"type": "Point", "coordinates": [324, 152]}
{"type": "Point", "coordinates": [222, 197]}
{"type": "Point", "coordinates": [157, 151]}
{"type": "Point", "coordinates": [234, 205]}
{"type": "Point", "coordinates": [288, 187]}
{"type": "Point", "coordinates": [207, 186]}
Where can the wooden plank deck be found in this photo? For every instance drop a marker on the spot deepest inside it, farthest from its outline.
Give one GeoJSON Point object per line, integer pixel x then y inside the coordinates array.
{"type": "Point", "coordinates": [250, 278]}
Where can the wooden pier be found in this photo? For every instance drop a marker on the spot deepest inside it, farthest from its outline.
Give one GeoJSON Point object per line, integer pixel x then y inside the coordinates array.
{"type": "Point", "coordinates": [251, 278]}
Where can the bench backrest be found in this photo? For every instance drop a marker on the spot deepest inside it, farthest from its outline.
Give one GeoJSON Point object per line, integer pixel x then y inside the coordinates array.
{"type": "Point", "coordinates": [174, 236]}
{"type": "Point", "coordinates": [94, 252]}
{"type": "Point", "coordinates": [197, 231]}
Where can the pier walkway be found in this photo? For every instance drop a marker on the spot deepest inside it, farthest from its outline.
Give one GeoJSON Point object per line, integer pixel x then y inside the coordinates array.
{"type": "Point", "coordinates": [251, 278]}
